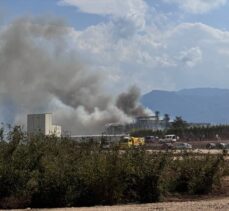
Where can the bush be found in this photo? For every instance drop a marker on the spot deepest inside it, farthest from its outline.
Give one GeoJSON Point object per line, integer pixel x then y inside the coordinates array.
{"type": "Point", "coordinates": [58, 172]}
{"type": "Point", "coordinates": [196, 175]}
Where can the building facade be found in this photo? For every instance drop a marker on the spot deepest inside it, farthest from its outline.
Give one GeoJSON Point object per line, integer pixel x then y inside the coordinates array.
{"type": "Point", "coordinates": [140, 123]}
{"type": "Point", "coordinates": [42, 123]}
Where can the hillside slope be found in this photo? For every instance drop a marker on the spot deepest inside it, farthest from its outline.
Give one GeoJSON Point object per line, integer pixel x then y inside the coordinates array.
{"type": "Point", "coordinates": [194, 105]}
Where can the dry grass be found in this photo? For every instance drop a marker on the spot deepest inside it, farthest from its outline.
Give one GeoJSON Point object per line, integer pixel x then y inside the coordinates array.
{"type": "Point", "coordinates": [216, 204]}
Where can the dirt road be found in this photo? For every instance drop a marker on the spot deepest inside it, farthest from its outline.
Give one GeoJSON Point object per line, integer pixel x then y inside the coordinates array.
{"type": "Point", "coordinates": [216, 204]}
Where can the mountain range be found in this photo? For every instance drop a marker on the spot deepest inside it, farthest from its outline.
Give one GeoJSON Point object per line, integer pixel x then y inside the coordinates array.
{"type": "Point", "coordinates": [198, 105]}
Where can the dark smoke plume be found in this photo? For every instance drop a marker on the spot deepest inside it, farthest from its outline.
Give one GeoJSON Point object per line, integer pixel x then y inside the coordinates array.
{"type": "Point", "coordinates": [41, 72]}
{"type": "Point", "coordinates": [129, 102]}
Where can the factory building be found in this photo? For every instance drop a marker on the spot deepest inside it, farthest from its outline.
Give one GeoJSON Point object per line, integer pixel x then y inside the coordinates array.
{"type": "Point", "coordinates": [42, 123]}
{"type": "Point", "coordinates": [140, 123]}
{"type": "Point", "coordinates": [115, 128]}
{"type": "Point", "coordinates": [148, 123]}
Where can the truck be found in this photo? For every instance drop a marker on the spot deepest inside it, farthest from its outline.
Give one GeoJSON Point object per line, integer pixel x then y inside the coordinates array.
{"type": "Point", "coordinates": [130, 141]}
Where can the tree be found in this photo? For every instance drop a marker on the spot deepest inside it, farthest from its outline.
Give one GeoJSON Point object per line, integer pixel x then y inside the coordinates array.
{"type": "Point", "coordinates": [166, 119]}
{"type": "Point", "coordinates": [1, 134]}
{"type": "Point", "coordinates": [179, 123]}
{"type": "Point", "coordinates": [157, 116]}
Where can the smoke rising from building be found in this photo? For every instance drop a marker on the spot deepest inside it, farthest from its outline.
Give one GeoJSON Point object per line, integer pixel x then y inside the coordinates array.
{"type": "Point", "coordinates": [128, 102]}
{"type": "Point", "coordinates": [40, 71]}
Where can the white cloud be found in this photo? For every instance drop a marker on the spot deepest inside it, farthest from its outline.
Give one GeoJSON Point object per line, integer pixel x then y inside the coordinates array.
{"type": "Point", "coordinates": [134, 10]}
{"type": "Point", "coordinates": [198, 6]}
{"type": "Point", "coordinates": [191, 57]}
{"type": "Point", "coordinates": [224, 52]}
{"type": "Point", "coordinates": [158, 59]}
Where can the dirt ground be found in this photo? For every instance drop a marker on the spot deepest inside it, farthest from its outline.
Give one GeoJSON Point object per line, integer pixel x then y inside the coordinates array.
{"type": "Point", "coordinates": [216, 204]}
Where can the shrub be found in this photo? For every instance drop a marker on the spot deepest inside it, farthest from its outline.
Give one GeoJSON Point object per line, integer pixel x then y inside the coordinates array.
{"type": "Point", "coordinates": [196, 175]}
{"type": "Point", "coordinates": [57, 172]}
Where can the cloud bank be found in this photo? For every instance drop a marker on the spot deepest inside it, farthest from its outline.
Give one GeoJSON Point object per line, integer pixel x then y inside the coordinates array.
{"type": "Point", "coordinates": [197, 6]}
{"type": "Point", "coordinates": [131, 10]}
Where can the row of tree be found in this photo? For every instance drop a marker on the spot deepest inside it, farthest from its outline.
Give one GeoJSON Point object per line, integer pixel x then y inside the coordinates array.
{"type": "Point", "coordinates": [189, 132]}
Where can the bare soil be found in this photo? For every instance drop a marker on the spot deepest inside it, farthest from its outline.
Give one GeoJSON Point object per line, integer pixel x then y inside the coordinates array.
{"type": "Point", "coordinates": [208, 205]}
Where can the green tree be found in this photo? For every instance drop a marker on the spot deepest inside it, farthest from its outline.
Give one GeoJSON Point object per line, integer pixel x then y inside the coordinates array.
{"type": "Point", "coordinates": [157, 115]}
{"type": "Point", "coordinates": [166, 119]}
{"type": "Point", "coordinates": [179, 123]}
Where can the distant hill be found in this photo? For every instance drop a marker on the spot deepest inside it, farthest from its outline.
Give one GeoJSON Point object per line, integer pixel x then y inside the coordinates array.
{"type": "Point", "coordinates": [208, 105]}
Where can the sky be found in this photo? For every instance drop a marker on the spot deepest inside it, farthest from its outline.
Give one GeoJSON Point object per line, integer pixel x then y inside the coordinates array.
{"type": "Point", "coordinates": [154, 44]}
{"type": "Point", "coordinates": [53, 53]}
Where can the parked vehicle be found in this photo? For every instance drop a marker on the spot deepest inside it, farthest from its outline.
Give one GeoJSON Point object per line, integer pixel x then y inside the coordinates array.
{"type": "Point", "coordinates": [150, 139]}
{"type": "Point", "coordinates": [106, 145]}
{"type": "Point", "coordinates": [183, 146]}
{"type": "Point", "coordinates": [128, 142]}
{"type": "Point", "coordinates": [211, 146]}
{"type": "Point", "coordinates": [221, 146]}
{"type": "Point", "coordinates": [168, 139]}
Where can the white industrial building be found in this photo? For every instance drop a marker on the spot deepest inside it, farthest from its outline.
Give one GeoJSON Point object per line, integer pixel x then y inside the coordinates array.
{"type": "Point", "coordinates": [42, 123]}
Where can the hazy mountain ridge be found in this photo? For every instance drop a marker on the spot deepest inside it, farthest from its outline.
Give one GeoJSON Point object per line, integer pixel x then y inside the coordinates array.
{"type": "Point", "coordinates": [194, 105]}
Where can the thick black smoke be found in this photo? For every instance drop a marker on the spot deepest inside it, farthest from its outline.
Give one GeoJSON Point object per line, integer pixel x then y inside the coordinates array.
{"type": "Point", "coordinates": [41, 72]}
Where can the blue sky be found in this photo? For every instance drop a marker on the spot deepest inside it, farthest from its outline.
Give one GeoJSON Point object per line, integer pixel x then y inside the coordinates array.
{"type": "Point", "coordinates": [12, 9]}
{"type": "Point", "coordinates": [153, 44]}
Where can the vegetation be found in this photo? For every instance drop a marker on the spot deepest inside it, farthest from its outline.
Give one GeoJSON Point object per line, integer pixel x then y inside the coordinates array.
{"type": "Point", "coordinates": [179, 123]}
{"type": "Point", "coordinates": [188, 133]}
{"type": "Point", "coordinates": [53, 172]}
